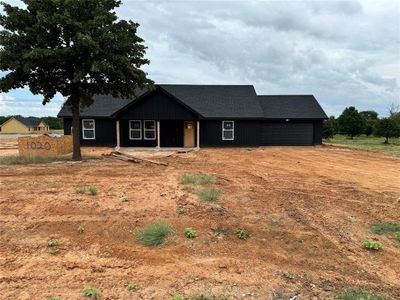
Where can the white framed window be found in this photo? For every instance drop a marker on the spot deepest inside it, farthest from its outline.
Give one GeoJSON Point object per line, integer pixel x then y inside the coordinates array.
{"type": "Point", "coordinates": [135, 129]}
{"type": "Point", "coordinates": [88, 129]}
{"type": "Point", "coordinates": [149, 129]}
{"type": "Point", "coordinates": [228, 130]}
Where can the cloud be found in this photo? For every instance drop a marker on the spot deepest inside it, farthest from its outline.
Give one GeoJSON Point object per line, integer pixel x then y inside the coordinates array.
{"type": "Point", "coordinates": [343, 52]}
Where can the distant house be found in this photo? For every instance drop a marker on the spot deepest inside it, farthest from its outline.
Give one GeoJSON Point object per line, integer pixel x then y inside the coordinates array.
{"type": "Point", "coordinates": [199, 115]}
{"type": "Point", "coordinates": [21, 125]}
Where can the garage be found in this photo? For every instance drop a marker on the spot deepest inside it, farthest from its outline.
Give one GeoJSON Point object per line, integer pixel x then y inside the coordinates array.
{"type": "Point", "coordinates": [297, 134]}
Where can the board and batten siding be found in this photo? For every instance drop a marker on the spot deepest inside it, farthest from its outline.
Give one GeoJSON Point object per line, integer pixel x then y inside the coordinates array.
{"type": "Point", "coordinates": [157, 106]}
{"type": "Point", "coordinates": [293, 133]}
{"type": "Point", "coordinates": [246, 133]}
{"type": "Point", "coordinates": [105, 132]}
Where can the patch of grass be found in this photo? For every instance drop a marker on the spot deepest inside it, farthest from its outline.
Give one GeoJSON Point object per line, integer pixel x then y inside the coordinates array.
{"type": "Point", "coordinates": [179, 297]}
{"type": "Point", "coordinates": [397, 235]}
{"type": "Point", "coordinates": [180, 210]}
{"type": "Point", "coordinates": [190, 233]}
{"type": "Point", "coordinates": [81, 229]}
{"type": "Point", "coordinates": [91, 292]}
{"type": "Point", "coordinates": [360, 294]}
{"type": "Point", "coordinates": [288, 275]}
{"type": "Point", "coordinates": [372, 245]}
{"type": "Point", "coordinates": [209, 194]}
{"type": "Point", "coordinates": [385, 227]}
{"type": "Point", "coordinates": [87, 190]}
{"type": "Point", "coordinates": [369, 143]}
{"type": "Point", "coordinates": [92, 190]}
{"type": "Point", "coordinates": [52, 243]}
{"type": "Point", "coordinates": [154, 234]}
{"type": "Point", "coordinates": [31, 159]}
{"type": "Point", "coordinates": [133, 287]}
{"type": "Point", "coordinates": [242, 233]}
{"type": "Point", "coordinates": [196, 179]}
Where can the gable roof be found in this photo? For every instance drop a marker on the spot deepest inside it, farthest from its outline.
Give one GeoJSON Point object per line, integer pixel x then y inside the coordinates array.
{"type": "Point", "coordinates": [218, 101]}
{"type": "Point", "coordinates": [103, 106]}
{"type": "Point", "coordinates": [291, 107]}
{"type": "Point", "coordinates": [29, 121]}
{"type": "Point", "coordinates": [215, 101]}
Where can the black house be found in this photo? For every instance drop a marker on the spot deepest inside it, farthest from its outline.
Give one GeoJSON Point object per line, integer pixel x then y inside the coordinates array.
{"type": "Point", "coordinates": [200, 116]}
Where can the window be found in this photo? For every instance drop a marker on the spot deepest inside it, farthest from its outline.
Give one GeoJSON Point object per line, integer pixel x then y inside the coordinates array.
{"type": "Point", "coordinates": [149, 130]}
{"type": "Point", "coordinates": [88, 129]}
{"type": "Point", "coordinates": [135, 130]}
{"type": "Point", "coordinates": [228, 130]}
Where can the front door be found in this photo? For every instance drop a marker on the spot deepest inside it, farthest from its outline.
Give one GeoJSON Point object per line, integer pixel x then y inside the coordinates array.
{"type": "Point", "coordinates": [188, 134]}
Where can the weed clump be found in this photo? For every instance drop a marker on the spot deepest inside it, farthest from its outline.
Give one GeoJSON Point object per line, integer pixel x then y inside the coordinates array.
{"type": "Point", "coordinates": [154, 234]}
{"type": "Point", "coordinates": [196, 179]}
{"type": "Point", "coordinates": [360, 294]}
{"type": "Point", "coordinates": [242, 233]}
{"type": "Point", "coordinates": [209, 194]}
{"type": "Point", "coordinates": [190, 233]}
{"type": "Point", "coordinates": [133, 287]}
{"type": "Point", "coordinates": [91, 292]}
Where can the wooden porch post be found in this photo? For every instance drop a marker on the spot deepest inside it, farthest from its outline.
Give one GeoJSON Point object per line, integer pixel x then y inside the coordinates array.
{"type": "Point", "coordinates": [158, 135]}
{"type": "Point", "coordinates": [118, 137]}
{"type": "Point", "coordinates": [198, 135]}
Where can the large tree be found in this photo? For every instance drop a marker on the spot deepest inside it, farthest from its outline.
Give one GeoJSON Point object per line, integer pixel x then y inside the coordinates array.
{"type": "Point", "coordinates": [329, 128]}
{"type": "Point", "coordinates": [77, 48]}
{"type": "Point", "coordinates": [350, 122]}
{"type": "Point", "coordinates": [387, 128]}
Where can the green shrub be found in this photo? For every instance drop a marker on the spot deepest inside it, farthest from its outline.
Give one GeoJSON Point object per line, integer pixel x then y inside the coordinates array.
{"type": "Point", "coordinates": [190, 233]}
{"type": "Point", "coordinates": [52, 243]}
{"type": "Point", "coordinates": [209, 195]}
{"type": "Point", "coordinates": [372, 245]}
{"type": "Point", "coordinates": [154, 234]}
{"type": "Point", "coordinates": [91, 292]}
{"type": "Point", "coordinates": [180, 210]}
{"type": "Point", "coordinates": [359, 294]}
{"type": "Point", "coordinates": [196, 179]}
{"type": "Point", "coordinates": [385, 227]}
{"type": "Point", "coordinates": [133, 287]}
{"type": "Point", "coordinates": [31, 159]}
{"type": "Point", "coordinates": [242, 233]}
{"type": "Point", "coordinates": [81, 229]}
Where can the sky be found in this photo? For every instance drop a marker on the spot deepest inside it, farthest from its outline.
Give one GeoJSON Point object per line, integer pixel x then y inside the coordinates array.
{"type": "Point", "coordinates": [345, 53]}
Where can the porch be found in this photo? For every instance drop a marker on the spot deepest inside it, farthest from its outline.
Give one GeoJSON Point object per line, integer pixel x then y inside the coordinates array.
{"type": "Point", "coordinates": [172, 135]}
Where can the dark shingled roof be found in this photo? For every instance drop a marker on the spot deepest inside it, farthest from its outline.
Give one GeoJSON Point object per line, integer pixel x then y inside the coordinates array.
{"type": "Point", "coordinates": [103, 106]}
{"type": "Point", "coordinates": [218, 101]}
{"type": "Point", "coordinates": [291, 107]}
{"type": "Point", "coordinates": [29, 121]}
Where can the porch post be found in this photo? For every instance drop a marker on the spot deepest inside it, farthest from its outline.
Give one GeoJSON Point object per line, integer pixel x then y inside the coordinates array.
{"type": "Point", "coordinates": [118, 137]}
{"type": "Point", "coordinates": [158, 135]}
{"type": "Point", "coordinates": [198, 135]}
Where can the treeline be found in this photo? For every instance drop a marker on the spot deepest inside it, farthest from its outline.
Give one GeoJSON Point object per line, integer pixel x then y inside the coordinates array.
{"type": "Point", "coordinates": [53, 122]}
{"type": "Point", "coordinates": [353, 123]}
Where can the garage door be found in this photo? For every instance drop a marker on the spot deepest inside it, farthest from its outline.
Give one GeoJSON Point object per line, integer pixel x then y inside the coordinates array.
{"type": "Point", "coordinates": [287, 134]}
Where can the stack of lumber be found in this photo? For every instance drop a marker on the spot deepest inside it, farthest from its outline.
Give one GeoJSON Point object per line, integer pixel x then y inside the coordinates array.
{"type": "Point", "coordinates": [133, 159]}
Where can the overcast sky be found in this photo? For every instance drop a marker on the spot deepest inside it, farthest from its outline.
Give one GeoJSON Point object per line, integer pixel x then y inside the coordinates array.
{"type": "Point", "coordinates": [344, 52]}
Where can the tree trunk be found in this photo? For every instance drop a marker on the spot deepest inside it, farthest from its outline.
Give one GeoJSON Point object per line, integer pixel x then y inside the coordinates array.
{"type": "Point", "coordinates": [386, 140]}
{"type": "Point", "coordinates": [76, 142]}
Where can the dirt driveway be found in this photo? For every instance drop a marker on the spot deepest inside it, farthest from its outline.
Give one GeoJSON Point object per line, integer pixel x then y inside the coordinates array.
{"type": "Point", "coordinates": [308, 209]}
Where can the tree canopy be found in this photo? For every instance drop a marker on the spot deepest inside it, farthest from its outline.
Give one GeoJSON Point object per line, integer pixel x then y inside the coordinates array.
{"type": "Point", "coordinates": [387, 128]}
{"type": "Point", "coordinates": [77, 48]}
{"type": "Point", "coordinates": [350, 122]}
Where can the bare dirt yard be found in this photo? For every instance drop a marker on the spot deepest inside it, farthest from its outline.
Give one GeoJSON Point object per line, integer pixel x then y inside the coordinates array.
{"type": "Point", "coordinates": [308, 210]}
